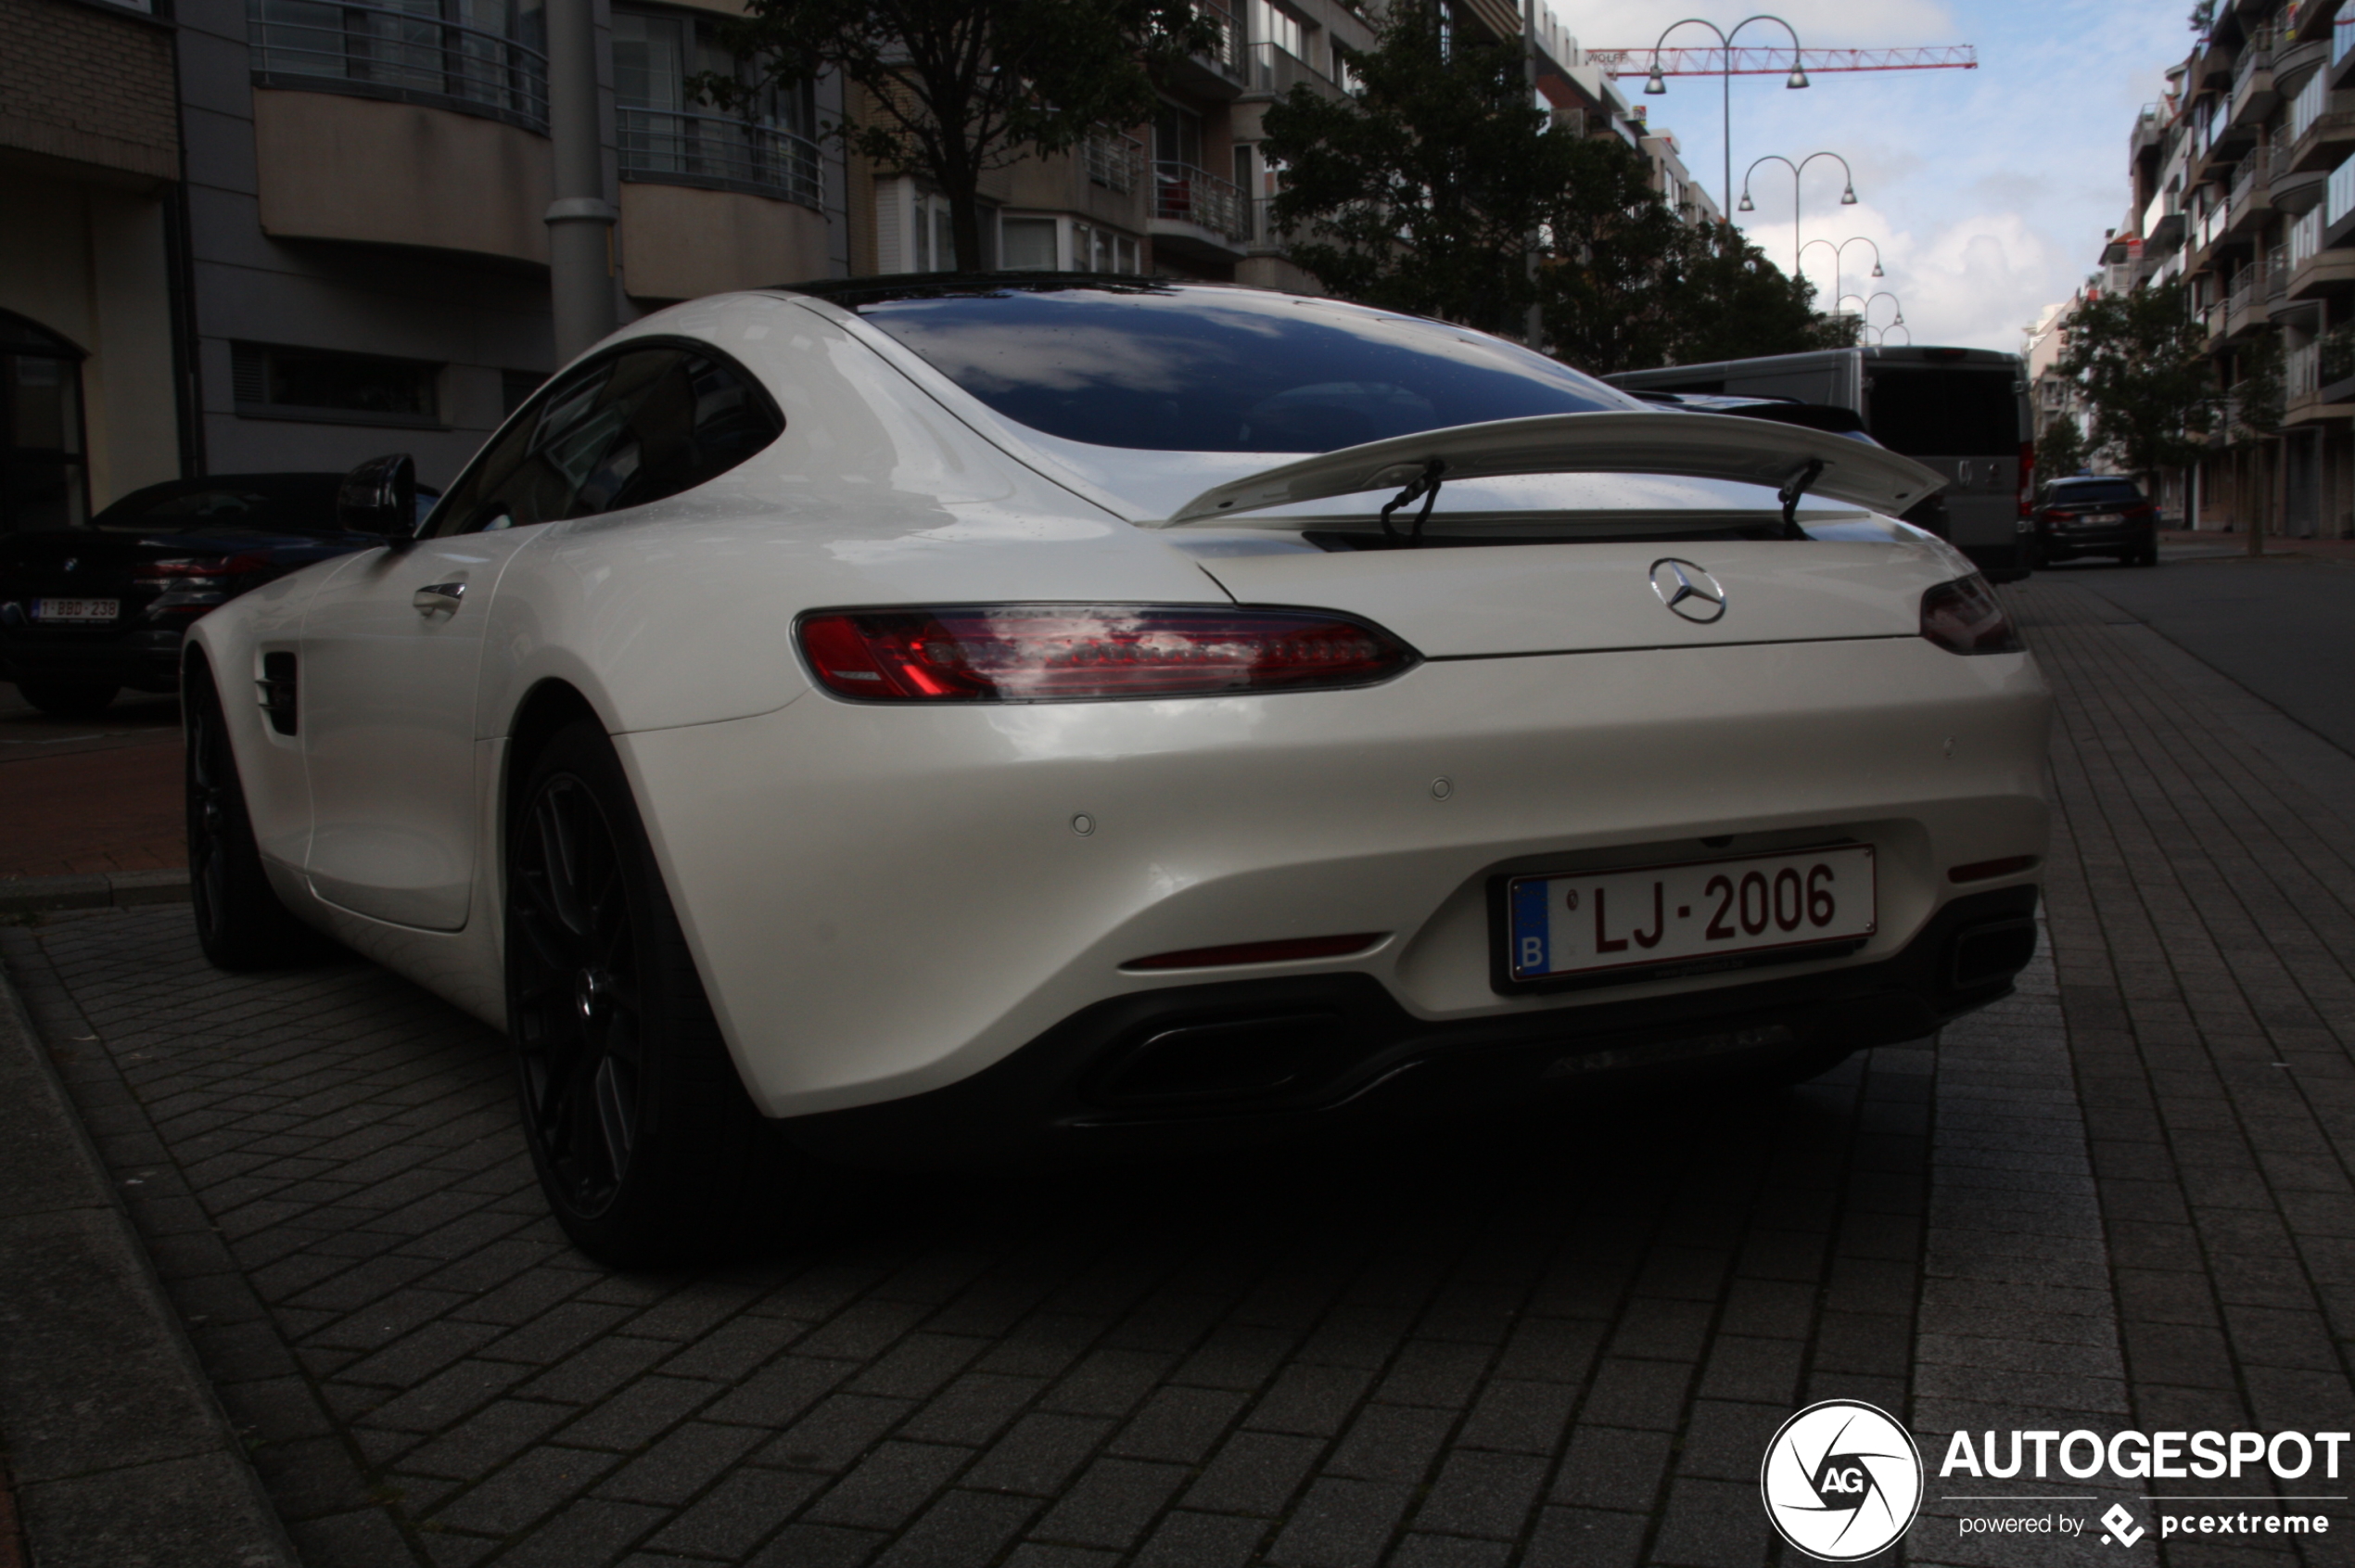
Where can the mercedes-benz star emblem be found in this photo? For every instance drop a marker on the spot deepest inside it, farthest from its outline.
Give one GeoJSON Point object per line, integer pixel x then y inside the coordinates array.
{"type": "Point", "coordinates": [71, 562]}
{"type": "Point", "coordinates": [1688, 590]}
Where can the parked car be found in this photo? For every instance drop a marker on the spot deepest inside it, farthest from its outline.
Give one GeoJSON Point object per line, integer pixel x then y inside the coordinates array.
{"type": "Point", "coordinates": [85, 612]}
{"type": "Point", "coordinates": [2095, 515]}
{"type": "Point", "coordinates": [921, 723]}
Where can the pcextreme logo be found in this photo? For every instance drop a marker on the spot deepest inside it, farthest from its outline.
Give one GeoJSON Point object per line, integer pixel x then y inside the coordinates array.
{"type": "Point", "coordinates": [1841, 1479]}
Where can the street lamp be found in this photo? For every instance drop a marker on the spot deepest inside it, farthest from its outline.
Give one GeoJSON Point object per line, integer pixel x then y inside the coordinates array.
{"type": "Point", "coordinates": [1838, 252]}
{"type": "Point", "coordinates": [1897, 320]}
{"type": "Point", "coordinates": [1847, 195]}
{"type": "Point", "coordinates": [1657, 84]}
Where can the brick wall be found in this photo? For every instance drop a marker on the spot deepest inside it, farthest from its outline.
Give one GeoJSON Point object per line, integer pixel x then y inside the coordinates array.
{"type": "Point", "coordinates": [79, 83]}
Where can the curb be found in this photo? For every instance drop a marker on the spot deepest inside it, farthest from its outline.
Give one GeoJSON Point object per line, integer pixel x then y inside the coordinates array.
{"type": "Point", "coordinates": [95, 890]}
{"type": "Point", "coordinates": [117, 1445]}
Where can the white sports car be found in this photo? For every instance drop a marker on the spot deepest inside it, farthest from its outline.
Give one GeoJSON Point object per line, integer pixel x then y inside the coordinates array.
{"type": "Point", "coordinates": [914, 722]}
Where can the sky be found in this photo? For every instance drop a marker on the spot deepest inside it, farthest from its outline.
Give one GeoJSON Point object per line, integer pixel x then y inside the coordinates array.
{"type": "Point", "coordinates": [1987, 191]}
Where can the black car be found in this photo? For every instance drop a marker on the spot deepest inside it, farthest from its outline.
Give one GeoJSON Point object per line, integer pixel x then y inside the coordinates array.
{"type": "Point", "coordinates": [2095, 515]}
{"type": "Point", "coordinates": [87, 611]}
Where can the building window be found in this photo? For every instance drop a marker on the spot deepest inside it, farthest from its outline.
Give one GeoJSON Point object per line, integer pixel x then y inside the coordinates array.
{"type": "Point", "coordinates": [328, 387]}
{"type": "Point", "coordinates": [667, 138]}
{"type": "Point", "coordinates": [935, 247]}
{"type": "Point", "coordinates": [1095, 250]}
{"type": "Point", "coordinates": [1271, 24]}
{"type": "Point", "coordinates": [44, 473]}
{"type": "Point", "coordinates": [480, 56]}
{"type": "Point", "coordinates": [1026, 245]}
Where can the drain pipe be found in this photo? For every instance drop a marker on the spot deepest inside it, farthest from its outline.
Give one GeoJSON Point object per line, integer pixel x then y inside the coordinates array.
{"type": "Point", "coordinates": [580, 221]}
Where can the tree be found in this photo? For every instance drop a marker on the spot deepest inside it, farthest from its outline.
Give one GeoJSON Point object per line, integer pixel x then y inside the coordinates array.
{"type": "Point", "coordinates": [2142, 363]}
{"type": "Point", "coordinates": [956, 88]}
{"type": "Point", "coordinates": [2254, 409]}
{"type": "Point", "coordinates": [1730, 302]}
{"type": "Point", "coordinates": [2060, 450]}
{"type": "Point", "coordinates": [1438, 188]}
{"type": "Point", "coordinates": [1422, 191]}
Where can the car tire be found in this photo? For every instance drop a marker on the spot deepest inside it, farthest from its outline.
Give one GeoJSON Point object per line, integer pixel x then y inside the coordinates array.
{"type": "Point", "coordinates": [69, 700]}
{"type": "Point", "coordinates": [240, 923]}
{"type": "Point", "coordinates": [648, 1147]}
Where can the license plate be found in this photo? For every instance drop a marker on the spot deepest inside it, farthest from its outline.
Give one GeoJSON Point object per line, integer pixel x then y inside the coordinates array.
{"type": "Point", "coordinates": [2103, 518]}
{"type": "Point", "coordinates": [76, 609]}
{"type": "Point", "coordinates": [1589, 921]}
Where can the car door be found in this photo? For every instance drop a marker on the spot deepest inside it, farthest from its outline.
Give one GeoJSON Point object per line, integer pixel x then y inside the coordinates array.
{"type": "Point", "coordinates": [391, 648]}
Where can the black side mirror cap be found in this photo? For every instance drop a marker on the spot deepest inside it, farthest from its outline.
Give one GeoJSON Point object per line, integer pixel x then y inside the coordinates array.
{"type": "Point", "coordinates": [379, 497]}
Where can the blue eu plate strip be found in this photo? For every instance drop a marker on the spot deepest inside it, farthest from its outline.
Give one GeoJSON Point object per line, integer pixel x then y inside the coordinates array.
{"type": "Point", "coordinates": [1532, 938]}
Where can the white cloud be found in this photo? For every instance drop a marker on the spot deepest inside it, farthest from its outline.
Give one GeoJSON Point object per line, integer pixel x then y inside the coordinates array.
{"type": "Point", "coordinates": [1821, 24]}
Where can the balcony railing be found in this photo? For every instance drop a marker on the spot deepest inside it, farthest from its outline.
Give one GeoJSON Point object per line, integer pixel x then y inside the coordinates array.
{"type": "Point", "coordinates": [2302, 372]}
{"type": "Point", "coordinates": [1115, 162]}
{"type": "Point", "coordinates": [2305, 238]}
{"type": "Point", "coordinates": [2342, 38]}
{"type": "Point", "coordinates": [2277, 265]}
{"type": "Point", "coordinates": [1226, 52]}
{"type": "Point", "coordinates": [2255, 173]}
{"type": "Point", "coordinates": [1274, 69]}
{"type": "Point", "coordinates": [658, 144]}
{"type": "Point", "coordinates": [434, 52]}
{"type": "Point", "coordinates": [1187, 195]}
{"type": "Point", "coordinates": [2259, 53]}
{"type": "Point", "coordinates": [2212, 223]}
{"type": "Point", "coordinates": [2308, 107]}
{"type": "Point", "coordinates": [2341, 198]}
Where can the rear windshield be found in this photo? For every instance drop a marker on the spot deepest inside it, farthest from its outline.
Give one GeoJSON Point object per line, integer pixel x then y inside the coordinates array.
{"type": "Point", "coordinates": [1944, 413]}
{"type": "Point", "coordinates": [1181, 369]}
{"type": "Point", "coordinates": [2070, 492]}
{"type": "Point", "coordinates": [262, 503]}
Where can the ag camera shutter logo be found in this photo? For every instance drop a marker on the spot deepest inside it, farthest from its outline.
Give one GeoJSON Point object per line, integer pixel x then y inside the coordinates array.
{"type": "Point", "coordinates": [1841, 1479]}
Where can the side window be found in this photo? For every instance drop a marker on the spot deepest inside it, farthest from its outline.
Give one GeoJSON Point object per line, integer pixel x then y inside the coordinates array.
{"type": "Point", "coordinates": [633, 428]}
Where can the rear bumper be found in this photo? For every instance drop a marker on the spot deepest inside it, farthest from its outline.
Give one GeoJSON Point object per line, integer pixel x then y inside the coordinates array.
{"type": "Point", "coordinates": [2062, 545]}
{"type": "Point", "coordinates": [1253, 1061]}
{"type": "Point", "coordinates": [146, 659]}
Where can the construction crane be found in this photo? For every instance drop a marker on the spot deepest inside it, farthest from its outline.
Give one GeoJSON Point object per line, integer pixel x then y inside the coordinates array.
{"type": "Point", "coordinates": [1727, 61]}
{"type": "Point", "coordinates": [1778, 62]}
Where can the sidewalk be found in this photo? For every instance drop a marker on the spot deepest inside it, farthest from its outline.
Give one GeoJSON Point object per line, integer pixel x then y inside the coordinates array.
{"type": "Point", "coordinates": [90, 796]}
{"type": "Point", "coordinates": [2316, 549]}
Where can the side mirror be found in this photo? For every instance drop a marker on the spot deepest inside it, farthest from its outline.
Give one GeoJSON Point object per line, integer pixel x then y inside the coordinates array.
{"type": "Point", "coordinates": [379, 497]}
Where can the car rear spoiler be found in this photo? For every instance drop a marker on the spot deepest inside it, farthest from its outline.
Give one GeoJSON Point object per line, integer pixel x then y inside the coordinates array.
{"type": "Point", "coordinates": [1701, 446]}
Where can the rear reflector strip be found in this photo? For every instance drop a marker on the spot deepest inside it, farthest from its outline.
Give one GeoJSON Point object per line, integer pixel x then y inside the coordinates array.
{"type": "Point", "coordinates": [1288, 951]}
{"type": "Point", "coordinates": [1981, 871]}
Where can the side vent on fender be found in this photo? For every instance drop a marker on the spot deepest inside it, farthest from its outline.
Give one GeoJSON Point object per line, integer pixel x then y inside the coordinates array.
{"type": "Point", "coordinates": [277, 690]}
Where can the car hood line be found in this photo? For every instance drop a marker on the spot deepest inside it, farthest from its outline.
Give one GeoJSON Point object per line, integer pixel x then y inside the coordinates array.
{"type": "Point", "coordinates": [1705, 446]}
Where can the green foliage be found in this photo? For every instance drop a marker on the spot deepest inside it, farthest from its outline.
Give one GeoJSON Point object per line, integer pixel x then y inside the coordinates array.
{"type": "Point", "coordinates": [2062, 451]}
{"type": "Point", "coordinates": [2204, 17]}
{"type": "Point", "coordinates": [958, 88]}
{"type": "Point", "coordinates": [1440, 189]}
{"type": "Point", "coordinates": [2141, 361]}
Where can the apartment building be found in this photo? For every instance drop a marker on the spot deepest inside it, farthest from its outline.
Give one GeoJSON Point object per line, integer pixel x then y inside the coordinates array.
{"type": "Point", "coordinates": [1191, 192]}
{"type": "Point", "coordinates": [2242, 184]}
{"type": "Point", "coordinates": [90, 238]}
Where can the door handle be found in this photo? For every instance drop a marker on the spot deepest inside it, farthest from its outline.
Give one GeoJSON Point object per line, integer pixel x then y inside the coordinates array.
{"type": "Point", "coordinates": [438, 596]}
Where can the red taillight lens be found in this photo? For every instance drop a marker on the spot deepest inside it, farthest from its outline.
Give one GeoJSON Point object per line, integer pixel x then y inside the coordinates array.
{"type": "Point", "coordinates": [1047, 653]}
{"type": "Point", "coordinates": [1965, 616]}
{"type": "Point", "coordinates": [2027, 475]}
{"type": "Point", "coordinates": [164, 573]}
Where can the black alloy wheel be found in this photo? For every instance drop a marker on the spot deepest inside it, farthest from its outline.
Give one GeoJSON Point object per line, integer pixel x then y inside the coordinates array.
{"type": "Point", "coordinates": [647, 1145]}
{"type": "Point", "coordinates": [577, 1006]}
{"type": "Point", "coordinates": [240, 923]}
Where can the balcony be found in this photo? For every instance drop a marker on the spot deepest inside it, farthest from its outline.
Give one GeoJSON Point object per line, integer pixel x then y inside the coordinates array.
{"type": "Point", "coordinates": [1274, 70]}
{"type": "Point", "coordinates": [715, 152]}
{"type": "Point", "coordinates": [409, 56]}
{"type": "Point", "coordinates": [2250, 205]}
{"type": "Point", "coordinates": [2342, 63]}
{"type": "Point", "coordinates": [2338, 207]}
{"type": "Point", "coordinates": [1196, 213]}
{"type": "Point", "coordinates": [2245, 305]}
{"type": "Point", "coordinates": [1220, 70]}
{"type": "Point", "coordinates": [2322, 127]}
{"type": "Point", "coordinates": [2253, 96]}
{"type": "Point", "coordinates": [2162, 224]}
{"type": "Point", "coordinates": [2295, 190]}
{"type": "Point", "coordinates": [2316, 270]}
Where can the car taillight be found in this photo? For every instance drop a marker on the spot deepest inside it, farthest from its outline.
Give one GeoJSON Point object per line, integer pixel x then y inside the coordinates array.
{"type": "Point", "coordinates": [1965, 616]}
{"type": "Point", "coordinates": [2027, 475]}
{"type": "Point", "coordinates": [177, 572]}
{"type": "Point", "coordinates": [1045, 652]}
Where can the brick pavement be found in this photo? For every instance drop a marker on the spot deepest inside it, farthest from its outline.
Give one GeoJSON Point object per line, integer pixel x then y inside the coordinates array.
{"type": "Point", "coordinates": [1562, 1343]}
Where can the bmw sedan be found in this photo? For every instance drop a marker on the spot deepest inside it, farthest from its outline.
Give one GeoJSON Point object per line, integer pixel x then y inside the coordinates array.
{"type": "Point", "coordinates": [923, 722]}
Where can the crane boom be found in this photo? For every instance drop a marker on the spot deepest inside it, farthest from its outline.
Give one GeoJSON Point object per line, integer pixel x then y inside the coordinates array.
{"type": "Point", "coordinates": [1776, 62]}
